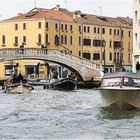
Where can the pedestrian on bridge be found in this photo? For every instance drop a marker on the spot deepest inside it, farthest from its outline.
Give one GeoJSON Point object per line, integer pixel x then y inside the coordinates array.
{"type": "Point", "coordinates": [45, 48]}
{"type": "Point", "coordinates": [22, 48]}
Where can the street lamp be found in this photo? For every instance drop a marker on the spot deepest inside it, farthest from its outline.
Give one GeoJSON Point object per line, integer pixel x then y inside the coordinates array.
{"type": "Point", "coordinates": [104, 44]}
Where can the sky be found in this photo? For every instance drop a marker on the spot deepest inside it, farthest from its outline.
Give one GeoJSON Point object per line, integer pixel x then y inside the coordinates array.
{"type": "Point", "coordinates": [112, 8]}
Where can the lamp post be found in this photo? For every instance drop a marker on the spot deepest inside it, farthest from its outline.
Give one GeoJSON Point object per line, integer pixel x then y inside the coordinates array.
{"type": "Point", "coordinates": [104, 44]}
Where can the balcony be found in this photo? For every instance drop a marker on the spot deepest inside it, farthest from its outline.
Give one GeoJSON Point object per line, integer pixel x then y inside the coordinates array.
{"type": "Point", "coordinates": [119, 48]}
{"type": "Point", "coordinates": [15, 44]}
{"type": "Point", "coordinates": [38, 43]}
{"type": "Point", "coordinates": [3, 45]}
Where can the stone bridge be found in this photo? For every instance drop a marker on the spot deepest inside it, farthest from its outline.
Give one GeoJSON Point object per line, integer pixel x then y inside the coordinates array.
{"type": "Point", "coordinates": [84, 69]}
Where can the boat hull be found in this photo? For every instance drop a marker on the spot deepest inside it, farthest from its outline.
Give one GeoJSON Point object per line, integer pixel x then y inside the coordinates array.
{"type": "Point", "coordinates": [63, 84]}
{"type": "Point", "coordinates": [19, 88]}
{"type": "Point", "coordinates": [121, 98]}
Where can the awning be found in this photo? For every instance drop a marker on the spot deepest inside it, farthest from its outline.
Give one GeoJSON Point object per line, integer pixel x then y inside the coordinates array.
{"type": "Point", "coordinates": [127, 68]}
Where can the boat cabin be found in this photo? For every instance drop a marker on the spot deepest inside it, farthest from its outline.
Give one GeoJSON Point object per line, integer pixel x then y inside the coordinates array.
{"type": "Point", "coordinates": [121, 79]}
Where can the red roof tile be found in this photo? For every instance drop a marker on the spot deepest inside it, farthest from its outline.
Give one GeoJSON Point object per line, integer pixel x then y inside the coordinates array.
{"type": "Point", "coordinates": [65, 15]}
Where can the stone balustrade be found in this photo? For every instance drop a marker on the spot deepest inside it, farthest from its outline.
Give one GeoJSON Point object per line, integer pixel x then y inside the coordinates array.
{"type": "Point", "coordinates": [81, 65]}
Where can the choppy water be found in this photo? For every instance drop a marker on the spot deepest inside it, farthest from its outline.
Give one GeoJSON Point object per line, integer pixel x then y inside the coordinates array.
{"type": "Point", "coordinates": [64, 115]}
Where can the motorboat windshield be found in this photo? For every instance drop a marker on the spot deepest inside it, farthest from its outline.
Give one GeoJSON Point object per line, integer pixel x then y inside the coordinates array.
{"type": "Point", "coordinates": [125, 79]}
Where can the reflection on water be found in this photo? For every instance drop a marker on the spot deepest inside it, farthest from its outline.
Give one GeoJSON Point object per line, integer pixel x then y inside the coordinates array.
{"type": "Point", "coordinates": [116, 114]}
{"type": "Point", "coordinates": [46, 114]}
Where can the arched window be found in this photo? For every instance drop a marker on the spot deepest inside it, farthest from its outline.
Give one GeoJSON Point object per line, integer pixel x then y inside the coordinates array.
{"type": "Point", "coordinates": [56, 40]}
{"type": "Point", "coordinates": [65, 39]}
{"type": "Point", "coordinates": [71, 40]}
{"type": "Point", "coordinates": [80, 53]}
{"type": "Point", "coordinates": [110, 56]}
{"type": "Point", "coordinates": [62, 39]}
{"type": "Point", "coordinates": [79, 41]}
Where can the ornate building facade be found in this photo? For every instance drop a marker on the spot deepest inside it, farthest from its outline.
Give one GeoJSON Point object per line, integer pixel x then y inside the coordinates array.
{"type": "Point", "coordinates": [104, 40]}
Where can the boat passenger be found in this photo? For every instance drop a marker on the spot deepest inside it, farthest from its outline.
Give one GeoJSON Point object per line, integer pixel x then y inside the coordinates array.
{"type": "Point", "coordinates": [15, 78]}
{"type": "Point", "coordinates": [20, 77]}
{"type": "Point", "coordinates": [130, 82]}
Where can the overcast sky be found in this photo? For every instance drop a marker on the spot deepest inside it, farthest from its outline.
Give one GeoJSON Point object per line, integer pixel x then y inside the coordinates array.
{"type": "Point", "coordinates": [114, 8]}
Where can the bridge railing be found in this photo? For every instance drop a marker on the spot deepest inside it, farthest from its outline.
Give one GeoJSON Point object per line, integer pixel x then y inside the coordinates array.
{"type": "Point", "coordinates": [42, 52]}
{"type": "Point", "coordinates": [73, 58]}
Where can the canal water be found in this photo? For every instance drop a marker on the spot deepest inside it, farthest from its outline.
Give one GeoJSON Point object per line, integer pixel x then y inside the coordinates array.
{"type": "Point", "coordinates": [46, 114]}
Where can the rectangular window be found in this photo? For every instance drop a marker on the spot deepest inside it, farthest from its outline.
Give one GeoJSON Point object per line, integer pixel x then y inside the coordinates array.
{"type": "Point", "coordinates": [62, 39]}
{"type": "Point", "coordinates": [95, 30]}
{"type": "Point", "coordinates": [87, 55]}
{"type": "Point", "coordinates": [39, 25]}
{"type": "Point", "coordinates": [47, 38]}
{"type": "Point", "coordinates": [71, 27]}
{"type": "Point", "coordinates": [110, 44]}
{"type": "Point", "coordinates": [56, 40]}
{"type": "Point", "coordinates": [98, 30]}
{"type": "Point", "coordinates": [85, 29]}
{"type": "Point", "coordinates": [87, 42]}
{"type": "Point", "coordinates": [71, 40]}
{"type": "Point", "coordinates": [66, 27]}
{"type": "Point", "coordinates": [24, 39]}
{"type": "Point", "coordinates": [115, 57]}
{"type": "Point", "coordinates": [110, 31]}
{"type": "Point", "coordinates": [136, 37]}
{"type": "Point", "coordinates": [114, 31]}
{"type": "Point", "coordinates": [47, 25]}
{"type": "Point", "coordinates": [39, 38]}
{"type": "Point", "coordinates": [16, 40]}
{"type": "Point", "coordinates": [56, 26]}
{"type": "Point", "coordinates": [24, 26]}
{"type": "Point", "coordinates": [118, 32]}
{"type": "Point", "coordinates": [103, 30]}
{"type": "Point", "coordinates": [3, 39]}
{"type": "Point", "coordinates": [97, 43]}
{"type": "Point", "coordinates": [16, 26]}
{"type": "Point", "coordinates": [96, 56]}
{"type": "Point", "coordinates": [79, 28]}
{"type": "Point", "coordinates": [117, 44]}
{"type": "Point", "coordinates": [110, 57]}
{"type": "Point", "coordinates": [136, 16]}
{"type": "Point", "coordinates": [8, 70]}
{"type": "Point", "coordinates": [129, 58]}
{"type": "Point", "coordinates": [65, 39]}
{"type": "Point", "coordinates": [79, 53]}
{"type": "Point", "coordinates": [88, 29]}
{"type": "Point", "coordinates": [122, 33]}
{"type": "Point", "coordinates": [79, 41]}
{"type": "Point", "coordinates": [62, 27]}
{"type": "Point", "coordinates": [129, 33]}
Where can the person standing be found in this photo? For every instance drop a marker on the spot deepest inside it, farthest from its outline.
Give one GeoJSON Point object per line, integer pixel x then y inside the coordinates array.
{"type": "Point", "coordinates": [22, 48]}
{"type": "Point", "coordinates": [137, 67]}
{"type": "Point", "coordinates": [20, 78]}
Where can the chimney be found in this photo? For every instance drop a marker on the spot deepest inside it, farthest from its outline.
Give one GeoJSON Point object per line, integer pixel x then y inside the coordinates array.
{"type": "Point", "coordinates": [76, 15]}
{"type": "Point", "coordinates": [57, 7]}
{"type": "Point", "coordinates": [19, 14]}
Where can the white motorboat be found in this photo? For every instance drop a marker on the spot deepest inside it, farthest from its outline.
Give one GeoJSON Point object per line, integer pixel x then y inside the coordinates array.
{"type": "Point", "coordinates": [121, 90]}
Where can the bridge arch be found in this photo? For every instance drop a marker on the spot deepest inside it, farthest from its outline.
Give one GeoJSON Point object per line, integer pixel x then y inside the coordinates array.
{"type": "Point", "coordinates": [84, 69]}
